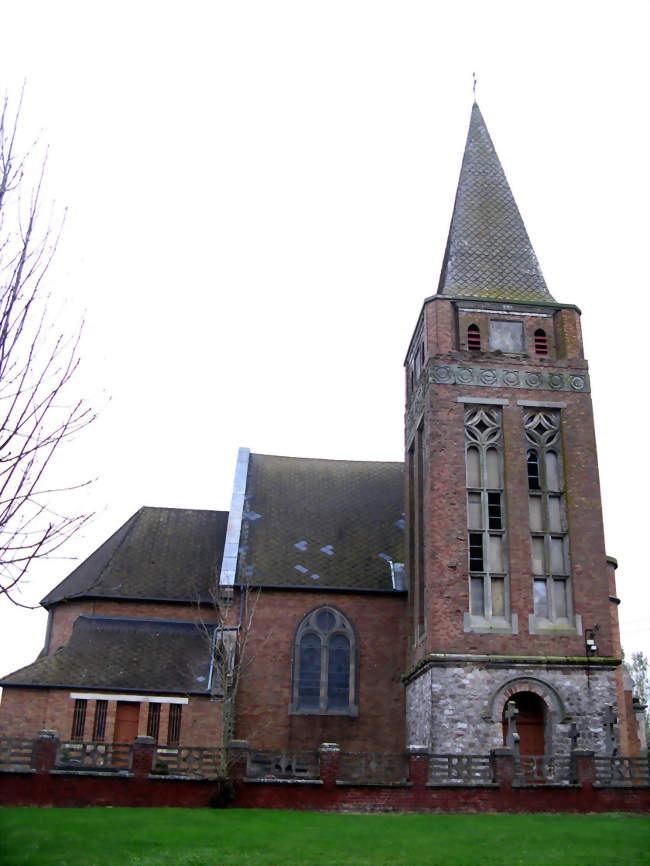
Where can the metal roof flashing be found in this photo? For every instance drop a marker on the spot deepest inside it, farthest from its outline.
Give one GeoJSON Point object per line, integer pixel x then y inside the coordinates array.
{"type": "Point", "coordinates": [235, 516]}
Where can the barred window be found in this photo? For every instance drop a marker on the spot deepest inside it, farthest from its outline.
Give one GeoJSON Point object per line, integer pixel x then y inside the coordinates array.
{"type": "Point", "coordinates": [548, 522]}
{"type": "Point", "coordinates": [324, 664]}
{"type": "Point", "coordinates": [486, 524]}
{"type": "Point", "coordinates": [174, 728]}
{"type": "Point", "coordinates": [79, 719]}
{"type": "Point", "coordinates": [99, 725]}
{"type": "Point", "coordinates": [474, 338]}
{"type": "Point", "coordinates": [541, 342]}
{"type": "Point", "coordinates": [153, 721]}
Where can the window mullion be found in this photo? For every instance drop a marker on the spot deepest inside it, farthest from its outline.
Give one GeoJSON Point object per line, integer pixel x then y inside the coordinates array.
{"type": "Point", "coordinates": [324, 669]}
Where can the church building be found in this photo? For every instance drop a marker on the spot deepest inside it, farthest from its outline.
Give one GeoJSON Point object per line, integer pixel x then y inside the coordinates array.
{"type": "Point", "coordinates": [376, 605]}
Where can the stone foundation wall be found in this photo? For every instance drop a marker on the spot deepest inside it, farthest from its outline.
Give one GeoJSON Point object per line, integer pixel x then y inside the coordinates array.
{"type": "Point", "coordinates": [458, 708]}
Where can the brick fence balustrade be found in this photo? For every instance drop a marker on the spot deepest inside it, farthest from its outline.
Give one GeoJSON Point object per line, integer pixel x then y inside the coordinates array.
{"type": "Point", "coordinates": [44, 751]}
{"type": "Point", "coordinates": [39, 782]}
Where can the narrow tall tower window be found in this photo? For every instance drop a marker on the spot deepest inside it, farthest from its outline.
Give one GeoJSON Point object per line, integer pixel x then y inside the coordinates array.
{"type": "Point", "coordinates": [541, 343]}
{"type": "Point", "coordinates": [420, 535]}
{"type": "Point", "coordinates": [486, 525]}
{"type": "Point", "coordinates": [474, 338]}
{"type": "Point", "coordinates": [548, 523]}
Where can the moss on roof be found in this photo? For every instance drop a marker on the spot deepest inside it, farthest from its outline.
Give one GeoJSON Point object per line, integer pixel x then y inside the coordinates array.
{"type": "Point", "coordinates": [171, 554]}
{"type": "Point", "coordinates": [321, 523]}
{"type": "Point", "coordinates": [125, 655]}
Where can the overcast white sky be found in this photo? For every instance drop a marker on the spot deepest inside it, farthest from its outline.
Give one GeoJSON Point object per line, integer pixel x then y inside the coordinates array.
{"type": "Point", "coordinates": [258, 200]}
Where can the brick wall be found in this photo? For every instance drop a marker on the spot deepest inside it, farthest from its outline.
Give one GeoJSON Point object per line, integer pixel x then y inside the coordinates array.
{"type": "Point", "coordinates": [446, 531]}
{"type": "Point", "coordinates": [265, 694]}
{"type": "Point", "coordinates": [25, 711]}
{"type": "Point", "coordinates": [434, 401]}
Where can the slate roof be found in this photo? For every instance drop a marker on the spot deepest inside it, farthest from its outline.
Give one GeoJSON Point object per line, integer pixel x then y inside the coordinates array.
{"type": "Point", "coordinates": [488, 254]}
{"type": "Point", "coordinates": [124, 655]}
{"type": "Point", "coordinates": [171, 554]}
{"type": "Point", "coordinates": [321, 523]}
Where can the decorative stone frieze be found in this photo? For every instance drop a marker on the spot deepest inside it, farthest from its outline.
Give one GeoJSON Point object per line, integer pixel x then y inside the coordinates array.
{"type": "Point", "coordinates": [496, 376]}
{"type": "Point", "coordinates": [499, 376]}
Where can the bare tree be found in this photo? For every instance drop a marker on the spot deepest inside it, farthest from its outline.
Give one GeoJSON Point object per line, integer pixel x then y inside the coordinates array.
{"type": "Point", "coordinates": [230, 632]}
{"type": "Point", "coordinates": [37, 364]}
{"type": "Point", "coordinates": [638, 668]}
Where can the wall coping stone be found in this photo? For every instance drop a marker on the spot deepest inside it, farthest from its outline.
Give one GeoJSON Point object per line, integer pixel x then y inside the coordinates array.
{"type": "Point", "coordinates": [464, 785]}
{"type": "Point", "coordinates": [271, 781]}
{"type": "Point", "coordinates": [344, 783]}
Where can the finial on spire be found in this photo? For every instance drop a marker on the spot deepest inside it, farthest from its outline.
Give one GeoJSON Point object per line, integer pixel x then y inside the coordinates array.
{"type": "Point", "coordinates": [474, 85]}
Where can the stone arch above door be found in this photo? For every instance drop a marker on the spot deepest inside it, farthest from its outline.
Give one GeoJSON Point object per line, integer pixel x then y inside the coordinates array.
{"type": "Point", "coordinates": [545, 691]}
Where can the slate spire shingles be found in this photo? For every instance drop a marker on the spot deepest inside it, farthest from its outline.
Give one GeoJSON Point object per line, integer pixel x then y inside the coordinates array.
{"type": "Point", "coordinates": [489, 254]}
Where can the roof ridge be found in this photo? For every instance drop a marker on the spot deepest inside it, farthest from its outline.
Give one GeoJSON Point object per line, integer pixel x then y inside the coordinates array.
{"type": "Point", "coordinates": [141, 619]}
{"type": "Point", "coordinates": [329, 459]}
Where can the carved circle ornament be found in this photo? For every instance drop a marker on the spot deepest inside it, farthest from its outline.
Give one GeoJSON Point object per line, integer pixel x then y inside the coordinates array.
{"type": "Point", "coordinates": [510, 377]}
{"type": "Point", "coordinates": [483, 426]}
{"type": "Point", "coordinates": [488, 377]}
{"type": "Point", "coordinates": [464, 375]}
{"type": "Point", "coordinates": [556, 380]}
{"type": "Point", "coordinates": [533, 380]}
{"type": "Point", "coordinates": [442, 374]}
{"type": "Point", "coordinates": [577, 383]}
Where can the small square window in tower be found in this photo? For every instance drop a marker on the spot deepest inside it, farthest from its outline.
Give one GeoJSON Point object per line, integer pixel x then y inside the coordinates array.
{"type": "Point", "coordinates": [507, 336]}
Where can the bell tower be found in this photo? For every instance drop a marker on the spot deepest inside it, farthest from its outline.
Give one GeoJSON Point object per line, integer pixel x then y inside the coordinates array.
{"type": "Point", "coordinates": [505, 546]}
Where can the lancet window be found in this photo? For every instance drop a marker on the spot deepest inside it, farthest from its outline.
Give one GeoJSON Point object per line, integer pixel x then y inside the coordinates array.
{"type": "Point", "coordinates": [324, 664]}
{"type": "Point", "coordinates": [486, 520]}
{"type": "Point", "coordinates": [548, 522]}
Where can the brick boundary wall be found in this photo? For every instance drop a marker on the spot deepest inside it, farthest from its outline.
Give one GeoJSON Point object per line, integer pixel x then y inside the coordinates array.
{"type": "Point", "coordinates": [42, 785]}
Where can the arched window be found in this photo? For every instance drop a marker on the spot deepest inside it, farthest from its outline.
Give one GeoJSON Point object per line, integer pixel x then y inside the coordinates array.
{"type": "Point", "coordinates": [474, 338]}
{"type": "Point", "coordinates": [486, 520]}
{"type": "Point", "coordinates": [541, 343]}
{"type": "Point", "coordinates": [324, 664]}
{"type": "Point", "coordinates": [549, 539]}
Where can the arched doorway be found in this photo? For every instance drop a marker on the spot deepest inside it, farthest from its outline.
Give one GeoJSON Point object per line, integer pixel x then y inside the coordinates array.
{"type": "Point", "coordinates": [530, 722]}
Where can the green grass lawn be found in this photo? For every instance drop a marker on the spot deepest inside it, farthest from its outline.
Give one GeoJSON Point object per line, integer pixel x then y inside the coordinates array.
{"type": "Point", "coordinates": [158, 837]}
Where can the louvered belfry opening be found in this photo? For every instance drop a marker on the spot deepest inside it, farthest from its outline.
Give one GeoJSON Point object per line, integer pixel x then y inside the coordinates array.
{"type": "Point", "coordinates": [541, 343]}
{"type": "Point", "coordinates": [474, 338]}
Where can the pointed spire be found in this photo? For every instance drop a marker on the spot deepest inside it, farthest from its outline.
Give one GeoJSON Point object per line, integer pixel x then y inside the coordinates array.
{"type": "Point", "coordinates": [489, 254]}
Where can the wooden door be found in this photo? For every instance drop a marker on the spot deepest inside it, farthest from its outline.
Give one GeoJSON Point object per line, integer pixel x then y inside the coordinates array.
{"type": "Point", "coordinates": [530, 723]}
{"type": "Point", "coordinates": [126, 721]}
